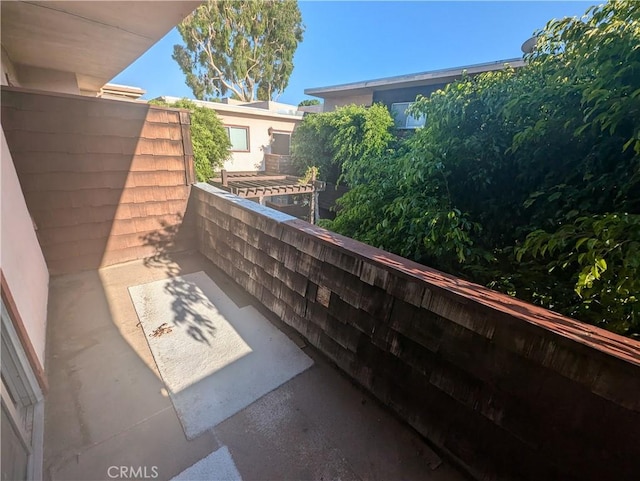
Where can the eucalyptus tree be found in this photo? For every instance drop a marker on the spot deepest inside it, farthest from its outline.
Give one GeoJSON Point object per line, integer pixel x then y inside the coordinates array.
{"type": "Point", "coordinates": [243, 49]}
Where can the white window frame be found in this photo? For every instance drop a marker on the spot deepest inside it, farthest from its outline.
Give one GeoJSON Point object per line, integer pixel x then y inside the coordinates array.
{"type": "Point", "coordinates": [282, 132]}
{"type": "Point", "coordinates": [406, 122]}
{"type": "Point", "coordinates": [247, 136]}
{"type": "Point", "coordinates": [28, 419]}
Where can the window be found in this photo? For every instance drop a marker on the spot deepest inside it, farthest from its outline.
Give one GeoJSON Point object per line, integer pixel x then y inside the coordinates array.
{"type": "Point", "coordinates": [403, 119]}
{"type": "Point", "coordinates": [22, 416]}
{"type": "Point", "coordinates": [16, 447]}
{"type": "Point", "coordinates": [239, 137]}
{"type": "Point", "coordinates": [281, 143]}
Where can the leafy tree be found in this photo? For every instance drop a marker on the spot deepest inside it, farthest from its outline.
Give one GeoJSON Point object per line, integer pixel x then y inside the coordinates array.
{"type": "Point", "coordinates": [240, 48]}
{"type": "Point", "coordinates": [336, 142]}
{"type": "Point", "coordinates": [308, 102]}
{"type": "Point", "coordinates": [527, 181]}
{"type": "Point", "coordinates": [211, 145]}
{"type": "Point", "coordinates": [312, 145]}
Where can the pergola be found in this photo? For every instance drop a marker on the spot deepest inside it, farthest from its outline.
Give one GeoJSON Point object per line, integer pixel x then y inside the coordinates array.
{"type": "Point", "coordinates": [260, 185]}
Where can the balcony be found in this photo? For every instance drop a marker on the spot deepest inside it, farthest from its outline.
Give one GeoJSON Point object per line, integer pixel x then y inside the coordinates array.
{"type": "Point", "coordinates": [108, 405]}
{"type": "Point", "coordinates": [412, 373]}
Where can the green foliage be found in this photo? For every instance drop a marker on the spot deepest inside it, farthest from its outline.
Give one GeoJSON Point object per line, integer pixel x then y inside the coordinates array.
{"type": "Point", "coordinates": [312, 145]}
{"type": "Point", "coordinates": [211, 145]}
{"type": "Point", "coordinates": [527, 181]}
{"type": "Point", "coordinates": [309, 175]}
{"type": "Point", "coordinates": [308, 102]}
{"type": "Point", "coordinates": [604, 252]}
{"type": "Point", "coordinates": [340, 141]}
{"type": "Point", "coordinates": [240, 48]}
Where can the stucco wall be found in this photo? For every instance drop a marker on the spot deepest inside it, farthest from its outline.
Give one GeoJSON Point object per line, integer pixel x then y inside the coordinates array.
{"type": "Point", "coordinates": [259, 139]}
{"type": "Point", "coordinates": [48, 79]}
{"type": "Point", "coordinates": [332, 103]}
{"type": "Point", "coordinates": [104, 180]}
{"type": "Point", "coordinates": [508, 389]}
{"type": "Point", "coordinates": [22, 262]}
{"type": "Point", "coordinates": [37, 78]}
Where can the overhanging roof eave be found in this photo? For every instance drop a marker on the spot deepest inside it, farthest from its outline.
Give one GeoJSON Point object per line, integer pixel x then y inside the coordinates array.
{"type": "Point", "coordinates": [410, 80]}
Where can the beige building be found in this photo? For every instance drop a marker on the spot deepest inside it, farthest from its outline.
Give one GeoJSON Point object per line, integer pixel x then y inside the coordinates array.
{"type": "Point", "coordinates": [255, 129]}
{"type": "Point", "coordinates": [398, 92]}
{"type": "Point", "coordinates": [120, 92]}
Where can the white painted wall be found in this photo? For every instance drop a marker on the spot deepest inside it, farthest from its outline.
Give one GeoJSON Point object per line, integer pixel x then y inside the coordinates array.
{"type": "Point", "coordinates": [21, 258]}
{"type": "Point", "coordinates": [47, 79]}
{"type": "Point", "coordinates": [259, 121]}
{"type": "Point", "coordinates": [259, 139]}
{"type": "Point", "coordinates": [37, 78]}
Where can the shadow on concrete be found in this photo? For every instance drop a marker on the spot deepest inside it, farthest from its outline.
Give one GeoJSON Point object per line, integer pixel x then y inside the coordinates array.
{"type": "Point", "coordinates": [107, 405]}
{"type": "Point", "coordinates": [186, 297]}
{"type": "Point", "coordinates": [250, 356]}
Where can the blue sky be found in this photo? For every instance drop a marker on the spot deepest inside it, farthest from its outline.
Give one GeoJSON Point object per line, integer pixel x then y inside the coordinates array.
{"type": "Point", "coordinates": [353, 41]}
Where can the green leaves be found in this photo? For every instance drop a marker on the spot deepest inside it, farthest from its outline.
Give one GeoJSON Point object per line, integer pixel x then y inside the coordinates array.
{"type": "Point", "coordinates": [309, 102]}
{"type": "Point", "coordinates": [342, 142]}
{"type": "Point", "coordinates": [241, 49]}
{"type": "Point", "coordinates": [527, 181]}
{"type": "Point", "coordinates": [604, 252]}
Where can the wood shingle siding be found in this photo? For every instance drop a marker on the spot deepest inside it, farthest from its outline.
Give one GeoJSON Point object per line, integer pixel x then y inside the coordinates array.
{"type": "Point", "coordinates": [508, 389]}
{"type": "Point", "coordinates": [100, 177]}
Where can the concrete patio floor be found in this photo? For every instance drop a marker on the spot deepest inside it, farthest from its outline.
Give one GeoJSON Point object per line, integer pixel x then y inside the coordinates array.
{"type": "Point", "coordinates": [107, 405]}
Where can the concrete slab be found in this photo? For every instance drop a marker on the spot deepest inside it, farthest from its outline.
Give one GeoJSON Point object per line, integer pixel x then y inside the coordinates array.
{"type": "Point", "coordinates": [108, 406]}
{"type": "Point", "coordinates": [214, 357]}
{"type": "Point", "coordinates": [218, 466]}
{"type": "Point", "coordinates": [290, 446]}
{"type": "Point", "coordinates": [320, 426]}
{"type": "Point", "coordinates": [152, 446]}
